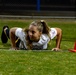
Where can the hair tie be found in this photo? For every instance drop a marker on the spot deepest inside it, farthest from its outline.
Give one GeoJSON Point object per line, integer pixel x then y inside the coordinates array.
{"type": "Point", "coordinates": [42, 20]}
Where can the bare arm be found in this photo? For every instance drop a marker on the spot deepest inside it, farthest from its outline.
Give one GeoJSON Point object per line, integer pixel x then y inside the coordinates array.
{"type": "Point", "coordinates": [13, 37]}
{"type": "Point", "coordinates": [58, 39]}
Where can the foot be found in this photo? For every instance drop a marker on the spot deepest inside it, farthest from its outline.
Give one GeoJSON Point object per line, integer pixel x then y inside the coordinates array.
{"type": "Point", "coordinates": [4, 36]}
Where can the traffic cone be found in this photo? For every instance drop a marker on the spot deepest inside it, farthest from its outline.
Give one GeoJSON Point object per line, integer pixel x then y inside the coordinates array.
{"type": "Point", "coordinates": [73, 50]}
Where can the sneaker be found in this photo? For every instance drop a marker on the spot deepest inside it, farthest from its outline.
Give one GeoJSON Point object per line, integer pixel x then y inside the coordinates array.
{"type": "Point", "coordinates": [4, 36]}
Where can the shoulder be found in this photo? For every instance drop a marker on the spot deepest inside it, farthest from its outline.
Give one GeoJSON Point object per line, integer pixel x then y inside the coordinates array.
{"type": "Point", "coordinates": [56, 30]}
{"type": "Point", "coordinates": [19, 32]}
{"type": "Point", "coordinates": [53, 30]}
{"type": "Point", "coordinates": [19, 29]}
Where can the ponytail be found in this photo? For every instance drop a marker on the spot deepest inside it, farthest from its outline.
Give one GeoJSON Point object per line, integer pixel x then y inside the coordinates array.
{"type": "Point", "coordinates": [46, 28]}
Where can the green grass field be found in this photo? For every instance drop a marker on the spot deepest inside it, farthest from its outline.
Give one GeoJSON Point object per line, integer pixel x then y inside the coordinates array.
{"type": "Point", "coordinates": [21, 62]}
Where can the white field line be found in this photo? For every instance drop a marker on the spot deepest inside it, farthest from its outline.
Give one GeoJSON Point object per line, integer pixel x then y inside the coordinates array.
{"type": "Point", "coordinates": [46, 17]}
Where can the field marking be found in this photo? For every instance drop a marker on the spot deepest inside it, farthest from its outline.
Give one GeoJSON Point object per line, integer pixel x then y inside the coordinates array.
{"type": "Point", "coordinates": [30, 17]}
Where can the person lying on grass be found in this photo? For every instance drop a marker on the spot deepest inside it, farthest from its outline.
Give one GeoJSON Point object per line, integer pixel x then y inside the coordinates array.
{"type": "Point", "coordinates": [36, 37]}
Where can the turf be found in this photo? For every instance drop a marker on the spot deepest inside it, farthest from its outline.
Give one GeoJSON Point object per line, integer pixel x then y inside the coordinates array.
{"type": "Point", "coordinates": [40, 62]}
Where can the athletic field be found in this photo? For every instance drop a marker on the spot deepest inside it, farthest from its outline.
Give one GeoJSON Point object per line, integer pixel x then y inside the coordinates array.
{"type": "Point", "coordinates": [40, 62]}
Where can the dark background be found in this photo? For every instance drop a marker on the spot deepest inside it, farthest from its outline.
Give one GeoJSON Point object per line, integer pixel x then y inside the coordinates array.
{"type": "Point", "coordinates": [22, 7]}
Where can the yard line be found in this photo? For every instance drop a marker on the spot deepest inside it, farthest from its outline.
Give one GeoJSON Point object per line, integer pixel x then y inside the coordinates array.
{"type": "Point", "coordinates": [30, 17]}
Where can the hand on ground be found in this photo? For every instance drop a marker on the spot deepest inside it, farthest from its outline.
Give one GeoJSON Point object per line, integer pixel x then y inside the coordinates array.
{"type": "Point", "coordinates": [56, 49]}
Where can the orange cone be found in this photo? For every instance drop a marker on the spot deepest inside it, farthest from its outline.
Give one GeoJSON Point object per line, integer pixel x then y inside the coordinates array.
{"type": "Point", "coordinates": [74, 50]}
